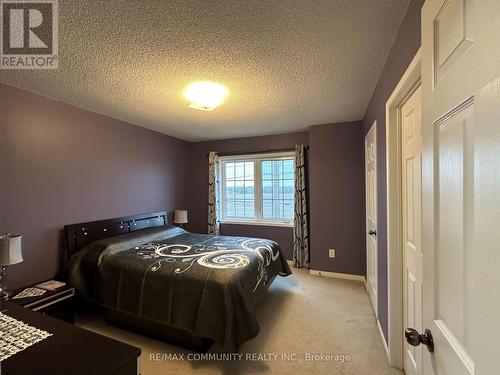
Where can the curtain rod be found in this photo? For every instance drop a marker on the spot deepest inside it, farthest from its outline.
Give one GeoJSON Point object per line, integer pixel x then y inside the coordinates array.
{"type": "Point", "coordinates": [268, 151]}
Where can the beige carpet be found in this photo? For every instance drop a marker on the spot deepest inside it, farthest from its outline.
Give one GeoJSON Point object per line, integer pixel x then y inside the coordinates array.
{"type": "Point", "coordinates": [302, 315]}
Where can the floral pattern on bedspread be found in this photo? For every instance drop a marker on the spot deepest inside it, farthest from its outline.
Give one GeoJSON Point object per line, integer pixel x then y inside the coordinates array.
{"type": "Point", "coordinates": [231, 252]}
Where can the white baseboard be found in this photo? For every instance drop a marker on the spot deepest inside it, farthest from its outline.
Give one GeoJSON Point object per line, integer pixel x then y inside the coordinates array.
{"type": "Point", "coordinates": [382, 337]}
{"type": "Point", "coordinates": [337, 275]}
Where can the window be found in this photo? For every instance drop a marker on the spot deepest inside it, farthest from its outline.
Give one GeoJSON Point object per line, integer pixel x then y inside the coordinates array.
{"type": "Point", "coordinates": [258, 189]}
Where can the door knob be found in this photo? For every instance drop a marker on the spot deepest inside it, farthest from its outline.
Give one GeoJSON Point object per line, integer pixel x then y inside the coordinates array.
{"type": "Point", "coordinates": [415, 339]}
{"type": "Point", "coordinates": [372, 232]}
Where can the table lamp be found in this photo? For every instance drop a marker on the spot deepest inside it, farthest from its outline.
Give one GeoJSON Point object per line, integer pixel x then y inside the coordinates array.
{"type": "Point", "coordinates": [10, 253]}
{"type": "Point", "coordinates": [181, 218]}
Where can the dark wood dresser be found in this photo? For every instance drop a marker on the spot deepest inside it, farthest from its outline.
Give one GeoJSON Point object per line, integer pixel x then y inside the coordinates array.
{"type": "Point", "coordinates": [69, 351]}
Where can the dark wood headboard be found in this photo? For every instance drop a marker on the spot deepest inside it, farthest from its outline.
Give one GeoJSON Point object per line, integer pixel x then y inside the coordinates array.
{"type": "Point", "coordinates": [79, 235]}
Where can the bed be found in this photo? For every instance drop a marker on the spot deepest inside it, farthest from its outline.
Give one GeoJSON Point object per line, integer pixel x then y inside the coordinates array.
{"type": "Point", "coordinates": [186, 288]}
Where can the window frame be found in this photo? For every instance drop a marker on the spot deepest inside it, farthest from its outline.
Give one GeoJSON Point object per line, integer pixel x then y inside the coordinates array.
{"type": "Point", "coordinates": [257, 160]}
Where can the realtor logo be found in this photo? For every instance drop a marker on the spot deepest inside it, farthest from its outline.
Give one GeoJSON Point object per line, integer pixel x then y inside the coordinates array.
{"type": "Point", "coordinates": [29, 34]}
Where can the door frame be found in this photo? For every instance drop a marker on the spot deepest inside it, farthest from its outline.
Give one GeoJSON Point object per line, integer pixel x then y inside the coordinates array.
{"type": "Point", "coordinates": [406, 86]}
{"type": "Point", "coordinates": [374, 301]}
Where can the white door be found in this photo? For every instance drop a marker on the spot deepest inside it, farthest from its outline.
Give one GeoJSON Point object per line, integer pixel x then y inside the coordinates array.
{"type": "Point", "coordinates": [371, 213]}
{"type": "Point", "coordinates": [411, 195]}
{"type": "Point", "coordinates": [461, 185]}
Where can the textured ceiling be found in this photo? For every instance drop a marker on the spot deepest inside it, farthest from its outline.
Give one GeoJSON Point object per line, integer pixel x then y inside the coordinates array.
{"type": "Point", "coordinates": [287, 64]}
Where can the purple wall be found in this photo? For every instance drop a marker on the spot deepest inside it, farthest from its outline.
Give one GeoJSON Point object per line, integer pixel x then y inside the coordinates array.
{"type": "Point", "coordinates": [335, 175]}
{"type": "Point", "coordinates": [336, 190]}
{"type": "Point", "coordinates": [61, 165]}
{"type": "Point", "coordinates": [198, 194]}
{"type": "Point", "coordinates": [404, 48]}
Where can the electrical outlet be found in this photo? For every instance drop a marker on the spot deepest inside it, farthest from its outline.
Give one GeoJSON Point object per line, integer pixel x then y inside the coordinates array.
{"type": "Point", "coordinates": [331, 253]}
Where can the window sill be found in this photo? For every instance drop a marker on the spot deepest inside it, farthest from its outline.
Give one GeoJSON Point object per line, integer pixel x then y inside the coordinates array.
{"type": "Point", "coordinates": [258, 223]}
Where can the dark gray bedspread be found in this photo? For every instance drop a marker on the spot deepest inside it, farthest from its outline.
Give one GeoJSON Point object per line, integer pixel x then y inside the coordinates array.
{"type": "Point", "coordinates": [205, 284]}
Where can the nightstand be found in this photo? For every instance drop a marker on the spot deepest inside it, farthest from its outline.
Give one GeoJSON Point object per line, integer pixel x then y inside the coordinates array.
{"type": "Point", "coordinates": [57, 303]}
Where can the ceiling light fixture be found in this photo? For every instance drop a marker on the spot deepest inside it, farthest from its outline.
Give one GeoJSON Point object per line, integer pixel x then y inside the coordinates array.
{"type": "Point", "coordinates": [205, 95]}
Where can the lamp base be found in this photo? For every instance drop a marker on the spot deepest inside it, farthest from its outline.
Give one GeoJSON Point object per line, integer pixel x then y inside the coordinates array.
{"type": "Point", "coordinates": [4, 293]}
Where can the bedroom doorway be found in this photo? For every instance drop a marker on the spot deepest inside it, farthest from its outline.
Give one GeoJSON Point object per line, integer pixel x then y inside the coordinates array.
{"type": "Point", "coordinates": [371, 214]}
{"type": "Point", "coordinates": [411, 194]}
{"type": "Point", "coordinates": [404, 253]}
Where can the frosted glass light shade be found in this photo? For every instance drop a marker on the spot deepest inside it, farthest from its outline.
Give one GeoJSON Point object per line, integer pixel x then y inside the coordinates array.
{"type": "Point", "coordinates": [205, 95]}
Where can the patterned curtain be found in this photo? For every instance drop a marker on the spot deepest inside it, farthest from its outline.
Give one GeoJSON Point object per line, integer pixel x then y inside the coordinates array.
{"type": "Point", "coordinates": [213, 193]}
{"type": "Point", "coordinates": [301, 226]}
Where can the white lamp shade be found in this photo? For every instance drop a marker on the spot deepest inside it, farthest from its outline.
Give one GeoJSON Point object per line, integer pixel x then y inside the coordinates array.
{"type": "Point", "coordinates": [10, 250]}
{"type": "Point", "coordinates": [181, 217]}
